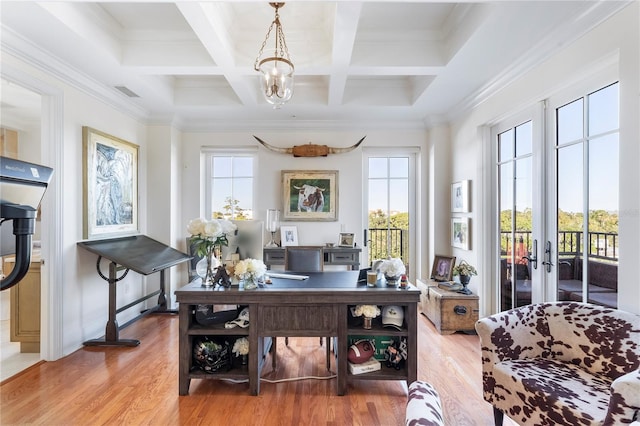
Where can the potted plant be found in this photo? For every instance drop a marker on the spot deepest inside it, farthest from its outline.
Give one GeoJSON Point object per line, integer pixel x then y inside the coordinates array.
{"type": "Point", "coordinates": [368, 312]}
{"type": "Point", "coordinates": [465, 271]}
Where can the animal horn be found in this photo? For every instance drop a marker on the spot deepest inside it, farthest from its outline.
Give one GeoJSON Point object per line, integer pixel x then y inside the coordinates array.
{"type": "Point", "coordinates": [274, 148]}
{"type": "Point", "coordinates": [343, 150]}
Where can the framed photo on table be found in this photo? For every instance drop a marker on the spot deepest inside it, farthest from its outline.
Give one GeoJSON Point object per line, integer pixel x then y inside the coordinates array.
{"type": "Point", "coordinates": [442, 269]}
{"type": "Point", "coordinates": [310, 195]}
{"type": "Point", "coordinates": [346, 239]}
{"type": "Point", "coordinates": [460, 197]}
{"type": "Point", "coordinates": [110, 185]}
{"type": "Point", "coordinates": [288, 235]}
{"type": "Point", "coordinates": [460, 233]}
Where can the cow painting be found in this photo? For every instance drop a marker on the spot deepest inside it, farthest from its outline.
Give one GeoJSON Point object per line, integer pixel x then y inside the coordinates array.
{"type": "Point", "coordinates": [310, 198]}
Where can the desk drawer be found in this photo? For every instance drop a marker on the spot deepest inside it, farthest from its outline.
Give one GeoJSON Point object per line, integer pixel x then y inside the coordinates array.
{"type": "Point", "coordinates": [342, 258]}
{"type": "Point", "coordinates": [298, 320]}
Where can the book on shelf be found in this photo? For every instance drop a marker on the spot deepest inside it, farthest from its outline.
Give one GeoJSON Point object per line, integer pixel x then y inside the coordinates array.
{"type": "Point", "coordinates": [366, 367]}
{"type": "Point", "coordinates": [450, 285]}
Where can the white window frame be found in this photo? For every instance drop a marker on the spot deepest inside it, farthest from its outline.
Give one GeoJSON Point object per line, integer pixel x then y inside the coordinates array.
{"type": "Point", "coordinates": [209, 154]}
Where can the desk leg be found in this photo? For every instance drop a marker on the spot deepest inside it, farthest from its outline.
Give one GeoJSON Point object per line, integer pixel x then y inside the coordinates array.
{"type": "Point", "coordinates": [255, 354]}
{"type": "Point", "coordinates": [184, 349]}
{"type": "Point", "coordinates": [412, 344]}
{"type": "Point", "coordinates": [341, 349]}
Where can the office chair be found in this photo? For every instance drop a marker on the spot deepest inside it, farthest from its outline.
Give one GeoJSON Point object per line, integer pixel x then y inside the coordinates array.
{"type": "Point", "coordinates": [306, 259]}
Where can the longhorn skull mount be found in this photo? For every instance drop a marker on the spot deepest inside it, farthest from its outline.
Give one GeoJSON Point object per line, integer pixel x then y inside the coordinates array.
{"type": "Point", "coordinates": [309, 150]}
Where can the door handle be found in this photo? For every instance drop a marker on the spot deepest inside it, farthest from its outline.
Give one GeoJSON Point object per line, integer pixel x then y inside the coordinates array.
{"type": "Point", "coordinates": [364, 236]}
{"type": "Point", "coordinates": [532, 257]}
{"type": "Point", "coordinates": [547, 256]}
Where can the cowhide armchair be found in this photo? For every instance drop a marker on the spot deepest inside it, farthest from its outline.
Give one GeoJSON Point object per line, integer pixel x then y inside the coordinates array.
{"type": "Point", "coordinates": [562, 363]}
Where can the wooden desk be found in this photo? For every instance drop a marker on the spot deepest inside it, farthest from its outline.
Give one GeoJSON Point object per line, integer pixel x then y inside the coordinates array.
{"type": "Point", "coordinates": [347, 256]}
{"type": "Point", "coordinates": [314, 307]}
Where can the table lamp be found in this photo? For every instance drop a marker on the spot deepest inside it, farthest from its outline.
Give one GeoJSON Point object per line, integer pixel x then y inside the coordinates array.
{"type": "Point", "coordinates": [273, 220]}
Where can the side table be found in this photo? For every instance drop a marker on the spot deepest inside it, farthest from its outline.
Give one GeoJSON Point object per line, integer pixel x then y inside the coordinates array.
{"type": "Point", "coordinates": [449, 311]}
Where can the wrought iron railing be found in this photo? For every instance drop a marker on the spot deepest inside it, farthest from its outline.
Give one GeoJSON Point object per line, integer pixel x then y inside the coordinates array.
{"type": "Point", "coordinates": [384, 242]}
{"type": "Point", "coordinates": [602, 245]}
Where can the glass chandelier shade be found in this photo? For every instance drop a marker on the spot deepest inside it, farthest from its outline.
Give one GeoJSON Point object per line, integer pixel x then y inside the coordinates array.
{"type": "Point", "coordinates": [276, 72]}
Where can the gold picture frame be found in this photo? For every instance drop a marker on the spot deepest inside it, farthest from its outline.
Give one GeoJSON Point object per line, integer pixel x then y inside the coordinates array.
{"type": "Point", "coordinates": [442, 269]}
{"type": "Point", "coordinates": [110, 185]}
{"type": "Point", "coordinates": [310, 195]}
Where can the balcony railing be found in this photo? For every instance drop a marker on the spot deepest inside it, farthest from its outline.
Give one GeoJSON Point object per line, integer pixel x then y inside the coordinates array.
{"type": "Point", "coordinates": [384, 242]}
{"type": "Point", "coordinates": [602, 245]}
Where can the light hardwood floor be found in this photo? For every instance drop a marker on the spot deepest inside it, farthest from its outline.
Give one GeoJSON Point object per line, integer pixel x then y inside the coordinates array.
{"type": "Point", "coordinates": [131, 386]}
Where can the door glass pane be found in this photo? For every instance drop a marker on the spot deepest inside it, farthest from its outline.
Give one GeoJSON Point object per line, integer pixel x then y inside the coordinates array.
{"type": "Point", "coordinates": [505, 145]}
{"type": "Point", "coordinates": [388, 224]}
{"type": "Point", "coordinates": [523, 230]}
{"type": "Point", "coordinates": [505, 197]}
{"type": "Point", "coordinates": [570, 221]}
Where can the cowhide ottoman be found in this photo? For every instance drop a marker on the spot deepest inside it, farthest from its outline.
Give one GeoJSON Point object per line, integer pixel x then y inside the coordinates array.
{"type": "Point", "coordinates": [423, 405]}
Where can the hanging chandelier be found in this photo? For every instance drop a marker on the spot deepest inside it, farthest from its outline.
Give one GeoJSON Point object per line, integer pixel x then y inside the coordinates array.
{"type": "Point", "coordinates": [276, 72]}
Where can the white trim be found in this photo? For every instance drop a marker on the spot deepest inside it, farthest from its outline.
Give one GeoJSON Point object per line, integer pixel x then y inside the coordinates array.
{"type": "Point", "coordinates": [52, 288]}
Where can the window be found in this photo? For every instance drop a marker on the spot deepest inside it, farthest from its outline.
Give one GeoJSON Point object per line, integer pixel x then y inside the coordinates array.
{"type": "Point", "coordinates": [230, 184]}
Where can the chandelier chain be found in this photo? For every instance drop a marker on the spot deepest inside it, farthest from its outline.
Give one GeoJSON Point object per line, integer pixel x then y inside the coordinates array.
{"type": "Point", "coordinates": [264, 43]}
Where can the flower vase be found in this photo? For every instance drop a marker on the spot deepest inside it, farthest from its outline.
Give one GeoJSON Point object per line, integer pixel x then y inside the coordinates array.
{"type": "Point", "coordinates": [244, 359]}
{"type": "Point", "coordinates": [206, 268]}
{"type": "Point", "coordinates": [464, 280]}
{"type": "Point", "coordinates": [392, 281]}
{"type": "Point", "coordinates": [250, 283]}
{"type": "Point", "coordinates": [366, 324]}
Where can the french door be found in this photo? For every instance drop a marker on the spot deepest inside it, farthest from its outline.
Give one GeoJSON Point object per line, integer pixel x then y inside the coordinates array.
{"type": "Point", "coordinates": [389, 205]}
{"type": "Point", "coordinates": [556, 185]}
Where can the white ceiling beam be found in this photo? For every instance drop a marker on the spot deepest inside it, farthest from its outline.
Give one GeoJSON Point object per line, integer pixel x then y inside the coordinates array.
{"type": "Point", "coordinates": [344, 36]}
{"type": "Point", "coordinates": [206, 20]}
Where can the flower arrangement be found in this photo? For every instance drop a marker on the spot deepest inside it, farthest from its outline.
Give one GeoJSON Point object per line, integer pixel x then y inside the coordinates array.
{"type": "Point", "coordinates": [207, 234]}
{"type": "Point", "coordinates": [463, 268]}
{"type": "Point", "coordinates": [392, 267]}
{"type": "Point", "coordinates": [369, 311]}
{"type": "Point", "coordinates": [249, 269]}
{"type": "Point", "coordinates": [241, 346]}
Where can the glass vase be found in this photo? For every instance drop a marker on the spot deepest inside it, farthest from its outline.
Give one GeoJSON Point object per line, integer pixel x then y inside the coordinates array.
{"type": "Point", "coordinates": [206, 268]}
{"type": "Point", "coordinates": [391, 281]}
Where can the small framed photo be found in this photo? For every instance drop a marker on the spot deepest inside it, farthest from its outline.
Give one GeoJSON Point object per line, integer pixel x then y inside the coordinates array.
{"type": "Point", "coordinates": [460, 197]}
{"type": "Point", "coordinates": [346, 239]}
{"type": "Point", "coordinates": [288, 235]}
{"type": "Point", "coordinates": [442, 269]}
{"type": "Point", "coordinates": [460, 233]}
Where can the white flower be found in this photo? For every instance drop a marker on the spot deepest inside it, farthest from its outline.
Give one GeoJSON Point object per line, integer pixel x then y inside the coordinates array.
{"type": "Point", "coordinates": [369, 311]}
{"type": "Point", "coordinates": [392, 267]}
{"type": "Point", "coordinates": [249, 269]}
{"type": "Point", "coordinates": [241, 346]}
{"type": "Point", "coordinates": [206, 234]}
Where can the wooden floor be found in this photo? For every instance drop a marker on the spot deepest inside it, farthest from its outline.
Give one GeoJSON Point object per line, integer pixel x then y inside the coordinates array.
{"type": "Point", "coordinates": [132, 386]}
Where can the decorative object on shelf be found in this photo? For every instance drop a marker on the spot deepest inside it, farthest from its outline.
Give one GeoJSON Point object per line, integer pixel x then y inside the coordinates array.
{"type": "Point", "coordinates": [207, 237]}
{"type": "Point", "coordinates": [273, 221]}
{"type": "Point", "coordinates": [211, 355]}
{"type": "Point", "coordinates": [369, 312]}
{"type": "Point", "coordinates": [310, 195]}
{"type": "Point", "coordinates": [242, 321]}
{"type": "Point", "coordinates": [309, 150]}
{"type": "Point", "coordinates": [361, 351]}
{"type": "Point", "coordinates": [465, 271]}
{"type": "Point", "coordinates": [276, 72]}
{"type": "Point", "coordinates": [288, 235]}
{"type": "Point", "coordinates": [250, 272]}
{"type": "Point", "coordinates": [404, 283]}
{"type": "Point", "coordinates": [392, 269]}
{"type": "Point", "coordinates": [241, 349]}
{"type": "Point", "coordinates": [396, 354]}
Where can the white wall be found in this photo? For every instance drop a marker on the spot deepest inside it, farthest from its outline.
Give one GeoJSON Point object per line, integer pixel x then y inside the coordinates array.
{"type": "Point", "coordinates": [617, 36]}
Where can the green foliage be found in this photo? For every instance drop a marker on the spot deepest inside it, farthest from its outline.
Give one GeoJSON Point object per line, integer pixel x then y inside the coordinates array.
{"type": "Point", "coordinates": [388, 235]}
{"type": "Point", "coordinates": [232, 210]}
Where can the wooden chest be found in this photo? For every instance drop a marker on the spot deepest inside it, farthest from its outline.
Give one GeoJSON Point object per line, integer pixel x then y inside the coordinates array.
{"type": "Point", "coordinates": [448, 310]}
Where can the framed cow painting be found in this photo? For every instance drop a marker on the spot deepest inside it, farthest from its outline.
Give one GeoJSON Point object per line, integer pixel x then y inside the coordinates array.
{"type": "Point", "coordinates": [310, 195]}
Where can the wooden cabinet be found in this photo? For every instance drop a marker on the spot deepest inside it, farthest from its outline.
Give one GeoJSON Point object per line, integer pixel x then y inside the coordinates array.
{"type": "Point", "coordinates": [346, 256]}
{"type": "Point", "coordinates": [449, 311]}
{"type": "Point", "coordinates": [25, 307]}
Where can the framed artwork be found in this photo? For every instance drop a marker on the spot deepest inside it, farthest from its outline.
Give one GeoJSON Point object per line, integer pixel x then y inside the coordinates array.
{"type": "Point", "coordinates": [442, 269]}
{"type": "Point", "coordinates": [310, 195]}
{"type": "Point", "coordinates": [460, 197]}
{"type": "Point", "coordinates": [346, 239]}
{"type": "Point", "coordinates": [110, 185]}
{"type": "Point", "coordinates": [288, 235]}
{"type": "Point", "coordinates": [460, 233]}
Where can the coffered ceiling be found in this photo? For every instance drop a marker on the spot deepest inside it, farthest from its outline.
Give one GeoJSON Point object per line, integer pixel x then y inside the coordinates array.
{"type": "Point", "coordinates": [395, 63]}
